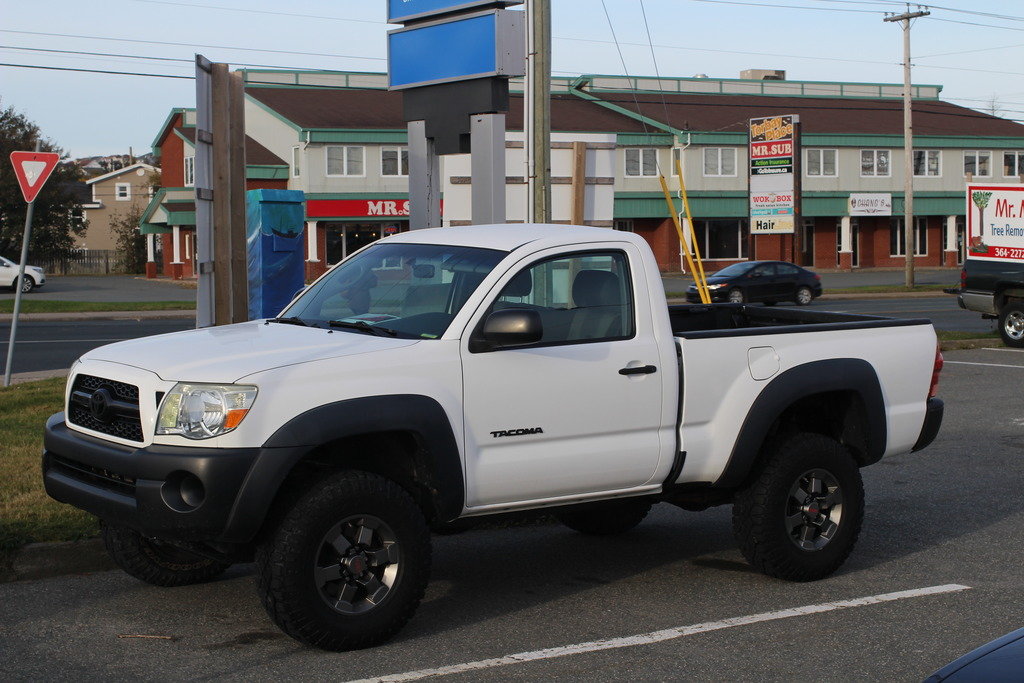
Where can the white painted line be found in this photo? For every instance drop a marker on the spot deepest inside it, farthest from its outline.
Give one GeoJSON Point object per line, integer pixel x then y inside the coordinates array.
{"type": "Point", "coordinates": [1005, 350]}
{"type": "Point", "coordinates": [987, 365]}
{"type": "Point", "coordinates": [667, 634]}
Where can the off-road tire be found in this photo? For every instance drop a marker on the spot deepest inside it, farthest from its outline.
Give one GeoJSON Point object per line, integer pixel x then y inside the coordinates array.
{"type": "Point", "coordinates": [605, 519]}
{"type": "Point", "coordinates": [1011, 324]}
{"type": "Point", "coordinates": [760, 510]}
{"type": "Point", "coordinates": [291, 558]}
{"type": "Point", "coordinates": [157, 563]}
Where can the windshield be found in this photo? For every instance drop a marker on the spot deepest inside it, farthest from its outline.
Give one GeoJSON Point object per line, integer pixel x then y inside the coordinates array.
{"type": "Point", "coordinates": [400, 290]}
{"type": "Point", "coordinates": [733, 270]}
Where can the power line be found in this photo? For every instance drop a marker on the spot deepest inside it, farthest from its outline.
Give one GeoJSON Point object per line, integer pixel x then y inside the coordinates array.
{"type": "Point", "coordinates": [93, 71]}
{"type": "Point", "coordinates": [166, 59]}
{"type": "Point", "coordinates": [214, 47]}
{"type": "Point", "coordinates": [259, 11]}
{"type": "Point", "coordinates": [777, 6]}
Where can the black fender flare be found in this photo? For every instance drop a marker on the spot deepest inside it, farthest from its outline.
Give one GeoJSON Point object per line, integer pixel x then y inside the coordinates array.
{"type": "Point", "coordinates": [421, 416]}
{"type": "Point", "coordinates": [816, 377]}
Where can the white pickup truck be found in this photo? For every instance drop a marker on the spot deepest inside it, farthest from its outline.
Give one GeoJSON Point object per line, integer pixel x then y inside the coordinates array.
{"type": "Point", "coordinates": [455, 373]}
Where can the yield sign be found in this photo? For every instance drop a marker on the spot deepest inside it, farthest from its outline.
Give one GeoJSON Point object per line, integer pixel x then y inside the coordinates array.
{"type": "Point", "coordinates": [32, 169]}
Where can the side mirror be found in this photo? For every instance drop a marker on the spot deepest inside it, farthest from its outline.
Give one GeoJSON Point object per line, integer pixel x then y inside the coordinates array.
{"type": "Point", "coordinates": [512, 327]}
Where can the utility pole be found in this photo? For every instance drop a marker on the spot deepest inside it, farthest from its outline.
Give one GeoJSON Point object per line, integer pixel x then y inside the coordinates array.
{"type": "Point", "coordinates": [908, 143]}
{"type": "Point", "coordinates": [538, 111]}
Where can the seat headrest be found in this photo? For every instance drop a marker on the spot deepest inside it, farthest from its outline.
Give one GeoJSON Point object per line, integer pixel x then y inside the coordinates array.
{"type": "Point", "coordinates": [520, 285]}
{"type": "Point", "coordinates": [595, 288]}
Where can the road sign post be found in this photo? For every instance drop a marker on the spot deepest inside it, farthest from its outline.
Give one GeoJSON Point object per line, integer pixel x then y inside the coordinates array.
{"type": "Point", "coordinates": [31, 169]}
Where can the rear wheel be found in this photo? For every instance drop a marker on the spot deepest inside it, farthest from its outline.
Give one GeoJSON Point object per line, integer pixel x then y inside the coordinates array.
{"type": "Point", "coordinates": [347, 565]}
{"type": "Point", "coordinates": [156, 562]}
{"type": "Point", "coordinates": [1011, 324]}
{"type": "Point", "coordinates": [606, 519]}
{"type": "Point", "coordinates": [736, 296]}
{"type": "Point", "coordinates": [800, 517]}
{"type": "Point", "coordinates": [804, 296]}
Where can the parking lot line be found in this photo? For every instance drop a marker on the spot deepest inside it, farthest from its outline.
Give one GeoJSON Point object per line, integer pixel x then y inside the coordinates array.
{"type": "Point", "coordinates": [987, 365]}
{"type": "Point", "coordinates": [666, 634]}
{"type": "Point", "coordinates": [1005, 350]}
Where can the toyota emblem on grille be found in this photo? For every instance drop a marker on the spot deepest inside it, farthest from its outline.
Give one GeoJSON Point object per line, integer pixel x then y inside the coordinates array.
{"type": "Point", "coordinates": [99, 404]}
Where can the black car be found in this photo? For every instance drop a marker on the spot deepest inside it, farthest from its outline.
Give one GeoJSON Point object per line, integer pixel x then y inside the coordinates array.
{"type": "Point", "coordinates": [1000, 660]}
{"type": "Point", "coordinates": [767, 281]}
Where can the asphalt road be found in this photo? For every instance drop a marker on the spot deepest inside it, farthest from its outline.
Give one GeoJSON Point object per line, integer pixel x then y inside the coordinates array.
{"type": "Point", "coordinates": [56, 345]}
{"type": "Point", "coordinates": [949, 515]}
{"type": "Point", "coordinates": [107, 288]}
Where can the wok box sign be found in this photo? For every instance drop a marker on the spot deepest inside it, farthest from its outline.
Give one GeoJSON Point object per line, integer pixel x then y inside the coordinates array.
{"type": "Point", "coordinates": [995, 222]}
{"type": "Point", "coordinates": [772, 152]}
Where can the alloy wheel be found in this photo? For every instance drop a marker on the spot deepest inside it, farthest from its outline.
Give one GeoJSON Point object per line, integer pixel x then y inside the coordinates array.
{"type": "Point", "coordinates": [357, 564]}
{"type": "Point", "coordinates": [1013, 325]}
{"type": "Point", "coordinates": [814, 509]}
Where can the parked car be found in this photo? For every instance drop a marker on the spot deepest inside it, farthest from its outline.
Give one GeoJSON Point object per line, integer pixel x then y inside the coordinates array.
{"type": "Point", "coordinates": [1000, 660]}
{"type": "Point", "coordinates": [34, 276]}
{"type": "Point", "coordinates": [766, 281]}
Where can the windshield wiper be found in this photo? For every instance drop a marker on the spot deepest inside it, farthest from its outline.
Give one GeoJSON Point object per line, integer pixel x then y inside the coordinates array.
{"type": "Point", "coordinates": [292, 320]}
{"type": "Point", "coordinates": [364, 326]}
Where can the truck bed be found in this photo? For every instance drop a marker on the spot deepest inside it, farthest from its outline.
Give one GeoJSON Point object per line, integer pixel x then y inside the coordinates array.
{"type": "Point", "coordinates": [731, 320]}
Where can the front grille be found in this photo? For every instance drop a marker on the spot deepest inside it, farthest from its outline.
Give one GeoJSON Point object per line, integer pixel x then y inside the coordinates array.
{"type": "Point", "coordinates": [95, 476]}
{"type": "Point", "coordinates": [105, 406]}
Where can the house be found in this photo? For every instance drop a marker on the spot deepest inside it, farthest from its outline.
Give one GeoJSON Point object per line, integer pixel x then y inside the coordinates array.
{"type": "Point", "coordinates": [111, 195]}
{"type": "Point", "coordinates": [340, 137]}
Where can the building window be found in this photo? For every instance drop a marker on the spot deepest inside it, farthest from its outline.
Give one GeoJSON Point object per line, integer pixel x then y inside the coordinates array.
{"type": "Point", "coordinates": [720, 162]}
{"type": "Point", "coordinates": [190, 171]}
{"type": "Point", "coordinates": [122, 192]}
{"type": "Point", "coordinates": [344, 161]}
{"type": "Point", "coordinates": [927, 163]}
{"type": "Point", "coordinates": [722, 239]}
{"type": "Point", "coordinates": [822, 163]}
{"type": "Point", "coordinates": [624, 224]}
{"type": "Point", "coordinates": [296, 162]}
{"type": "Point", "coordinates": [977, 163]}
{"type": "Point", "coordinates": [897, 238]}
{"type": "Point", "coordinates": [394, 161]}
{"type": "Point", "coordinates": [874, 162]}
{"type": "Point", "coordinates": [641, 162]}
{"type": "Point", "coordinates": [1013, 163]}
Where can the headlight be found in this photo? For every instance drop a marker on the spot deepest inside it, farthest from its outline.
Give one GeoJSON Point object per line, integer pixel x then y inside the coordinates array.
{"type": "Point", "coordinates": [202, 411]}
{"type": "Point", "coordinates": [718, 286]}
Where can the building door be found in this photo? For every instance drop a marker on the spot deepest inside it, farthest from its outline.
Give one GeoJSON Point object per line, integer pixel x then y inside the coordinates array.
{"type": "Point", "coordinates": [807, 246]}
{"type": "Point", "coordinates": [855, 242]}
{"type": "Point", "coordinates": [961, 241]}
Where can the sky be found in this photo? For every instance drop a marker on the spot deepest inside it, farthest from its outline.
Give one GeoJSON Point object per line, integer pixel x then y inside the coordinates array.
{"type": "Point", "coordinates": [973, 48]}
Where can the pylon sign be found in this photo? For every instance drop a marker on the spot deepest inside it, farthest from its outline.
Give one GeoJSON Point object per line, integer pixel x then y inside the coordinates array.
{"type": "Point", "coordinates": [32, 169]}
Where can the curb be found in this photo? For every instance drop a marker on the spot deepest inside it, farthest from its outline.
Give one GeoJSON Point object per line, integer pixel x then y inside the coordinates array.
{"type": "Point", "coordinates": [46, 560]}
{"type": "Point", "coordinates": [961, 344]}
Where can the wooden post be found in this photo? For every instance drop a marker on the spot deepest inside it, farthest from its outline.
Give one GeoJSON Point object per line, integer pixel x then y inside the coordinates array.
{"type": "Point", "coordinates": [579, 182]}
{"type": "Point", "coordinates": [239, 280]}
{"type": "Point", "coordinates": [221, 195]}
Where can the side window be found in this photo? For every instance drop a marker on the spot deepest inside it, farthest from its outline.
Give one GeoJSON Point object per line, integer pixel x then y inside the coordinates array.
{"type": "Point", "coordinates": [580, 298]}
{"type": "Point", "coordinates": [766, 270]}
{"type": "Point", "coordinates": [786, 269]}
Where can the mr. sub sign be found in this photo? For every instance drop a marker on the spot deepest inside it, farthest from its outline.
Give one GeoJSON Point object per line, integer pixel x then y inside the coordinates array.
{"type": "Point", "coordinates": [772, 154]}
{"type": "Point", "coordinates": [995, 222]}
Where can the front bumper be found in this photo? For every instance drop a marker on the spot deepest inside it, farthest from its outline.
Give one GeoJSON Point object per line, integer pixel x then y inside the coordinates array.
{"type": "Point", "coordinates": [932, 422]}
{"type": "Point", "coordinates": [142, 488]}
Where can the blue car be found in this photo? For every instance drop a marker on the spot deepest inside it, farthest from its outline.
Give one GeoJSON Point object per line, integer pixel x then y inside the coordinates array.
{"type": "Point", "coordinates": [1000, 660]}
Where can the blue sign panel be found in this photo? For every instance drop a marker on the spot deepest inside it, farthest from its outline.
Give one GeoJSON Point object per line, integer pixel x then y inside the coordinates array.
{"type": "Point", "coordinates": [400, 11]}
{"type": "Point", "coordinates": [477, 46]}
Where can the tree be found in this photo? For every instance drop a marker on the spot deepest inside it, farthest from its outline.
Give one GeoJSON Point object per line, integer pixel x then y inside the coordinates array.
{"type": "Point", "coordinates": [57, 217]}
{"type": "Point", "coordinates": [129, 243]}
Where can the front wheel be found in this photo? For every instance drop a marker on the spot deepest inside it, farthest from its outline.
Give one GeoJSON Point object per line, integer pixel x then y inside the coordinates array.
{"type": "Point", "coordinates": [1011, 324]}
{"type": "Point", "coordinates": [606, 519]}
{"type": "Point", "coordinates": [803, 296]}
{"type": "Point", "coordinates": [800, 517]}
{"type": "Point", "coordinates": [736, 296]}
{"type": "Point", "coordinates": [27, 284]}
{"type": "Point", "coordinates": [347, 565]}
{"type": "Point", "coordinates": [155, 562]}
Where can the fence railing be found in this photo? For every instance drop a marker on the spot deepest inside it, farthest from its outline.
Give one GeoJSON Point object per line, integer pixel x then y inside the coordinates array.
{"type": "Point", "coordinates": [92, 262]}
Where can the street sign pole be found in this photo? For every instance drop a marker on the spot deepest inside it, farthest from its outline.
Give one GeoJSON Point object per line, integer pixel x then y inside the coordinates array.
{"type": "Point", "coordinates": [17, 288]}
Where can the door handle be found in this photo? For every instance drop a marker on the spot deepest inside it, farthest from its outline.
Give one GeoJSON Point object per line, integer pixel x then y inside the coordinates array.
{"type": "Point", "coordinates": [639, 370]}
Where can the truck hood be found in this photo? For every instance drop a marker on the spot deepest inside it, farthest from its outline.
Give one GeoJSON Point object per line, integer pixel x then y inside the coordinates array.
{"type": "Point", "coordinates": [225, 354]}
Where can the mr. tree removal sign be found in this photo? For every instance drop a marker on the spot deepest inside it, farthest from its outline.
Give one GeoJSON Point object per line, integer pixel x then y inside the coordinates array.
{"type": "Point", "coordinates": [995, 222]}
{"type": "Point", "coordinates": [772, 153]}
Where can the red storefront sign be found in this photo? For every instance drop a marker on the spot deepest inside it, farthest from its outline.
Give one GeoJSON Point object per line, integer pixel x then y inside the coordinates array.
{"type": "Point", "coordinates": [358, 208]}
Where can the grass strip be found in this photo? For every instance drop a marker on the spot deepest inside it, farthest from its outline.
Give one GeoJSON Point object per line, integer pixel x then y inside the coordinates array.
{"type": "Point", "coordinates": [47, 306]}
{"type": "Point", "coordinates": [885, 289]}
{"type": "Point", "coordinates": [955, 335]}
{"type": "Point", "coordinates": [27, 514]}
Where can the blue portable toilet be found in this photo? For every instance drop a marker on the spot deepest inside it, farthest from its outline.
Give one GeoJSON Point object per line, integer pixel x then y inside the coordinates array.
{"type": "Point", "coordinates": [274, 231]}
